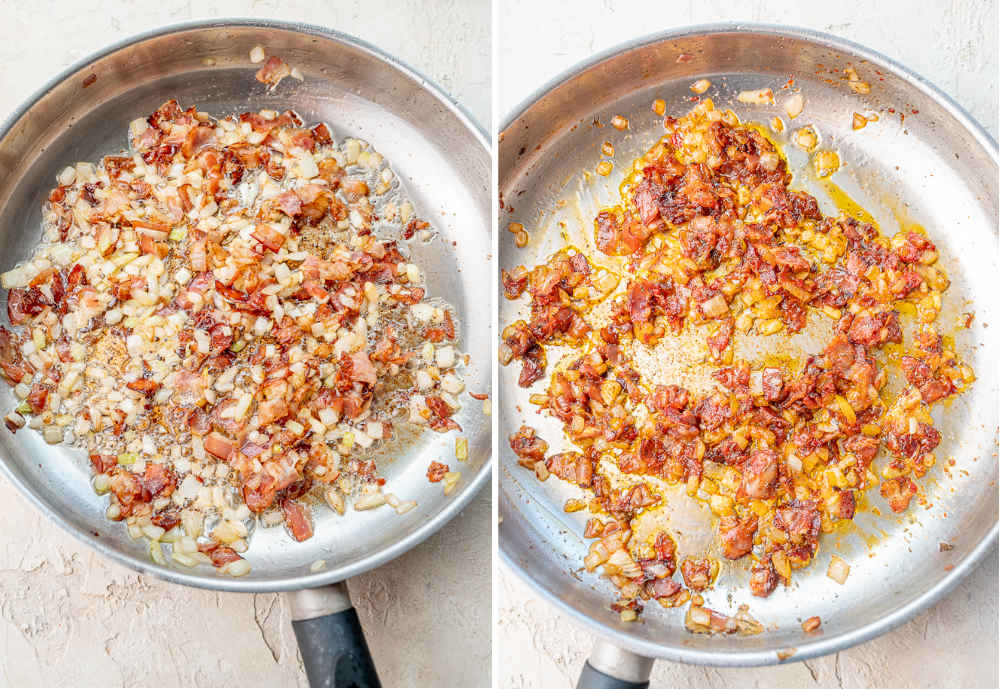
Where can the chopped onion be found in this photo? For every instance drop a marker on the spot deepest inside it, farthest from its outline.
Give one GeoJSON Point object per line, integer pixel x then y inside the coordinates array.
{"type": "Point", "coordinates": [759, 97]}
{"type": "Point", "coordinates": [794, 105]}
{"type": "Point", "coordinates": [838, 570]}
{"type": "Point", "coordinates": [238, 568]}
{"type": "Point", "coordinates": [700, 86]}
{"type": "Point", "coordinates": [369, 501]}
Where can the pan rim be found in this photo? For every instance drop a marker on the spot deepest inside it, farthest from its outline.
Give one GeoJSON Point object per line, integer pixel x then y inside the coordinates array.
{"type": "Point", "coordinates": [285, 583]}
{"type": "Point", "coordinates": [920, 602]}
{"type": "Point", "coordinates": [779, 31]}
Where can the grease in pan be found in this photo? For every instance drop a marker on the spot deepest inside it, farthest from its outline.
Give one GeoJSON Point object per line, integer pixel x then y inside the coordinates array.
{"type": "Point", "coordinates": [708, 252]}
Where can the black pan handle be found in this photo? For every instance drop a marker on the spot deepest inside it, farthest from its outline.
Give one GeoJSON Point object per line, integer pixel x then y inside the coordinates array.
{"type": "Point", "coordinates": [332, 643]}
{"type": "Point", "coordinates": [611, 667]}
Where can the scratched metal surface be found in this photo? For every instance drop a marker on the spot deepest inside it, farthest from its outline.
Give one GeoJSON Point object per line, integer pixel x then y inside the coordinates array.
{"type": "Point", "coordinates": [936, 168]}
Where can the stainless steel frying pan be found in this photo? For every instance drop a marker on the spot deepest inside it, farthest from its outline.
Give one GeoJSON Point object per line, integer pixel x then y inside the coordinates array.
{"type": "Point", "coordinates": [442, 159]}
{"type": "Point", "coordinates": [924, 161]}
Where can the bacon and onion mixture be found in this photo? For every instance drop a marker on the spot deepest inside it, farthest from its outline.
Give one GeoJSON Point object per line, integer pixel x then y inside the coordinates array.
{"type": "Point", "coordinates": [213, 318]}
{"type": "Point", "coordinates": [710, 240]}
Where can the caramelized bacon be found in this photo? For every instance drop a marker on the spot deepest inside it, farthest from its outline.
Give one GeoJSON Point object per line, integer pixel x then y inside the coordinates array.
{"type": "Point", "coordinates": [712, 241]}
{"type": "Point", "coordinates": [436, 472]}
{"type": "Point", "coordinates": [297, 520]}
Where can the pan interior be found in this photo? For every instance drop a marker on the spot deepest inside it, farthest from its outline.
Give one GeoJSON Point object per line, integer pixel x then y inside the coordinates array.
{"type": "Point", "coordinates": [443, 165]}
{"type": "Point", "coordinates": [926, 168]}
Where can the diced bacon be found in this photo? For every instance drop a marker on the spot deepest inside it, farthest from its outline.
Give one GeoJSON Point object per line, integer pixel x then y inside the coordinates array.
{"type": "Point", "coordinates": [514, 283]}
{"type": "Point", "coordinates": [221, 338]}
{"type": "Point", "coordinates": [800, 520]}
{"type": "Point", "coordinates": [14, 367]}
{"type": "Point", "coordinates": [231, 295]}
{"type": "Point", "coordinates": [627, 502]}
{"type": "Point", "coordinates": [362, 369]}
{"type": "Point", "coordinates": [913, 445]}
{"type": "Point", "coordinates": [436, 471]}
{"type": "Point", "coordinates": [647, 200]}
{"type": "Point", "coordinates": [148, 245]}
{"type": "Point", "coordinates": [196, 139]}
{"type": "Point", "coordinates": [259, 492]}
{"type": "Point", "coordinates": [917, 372]}
{"type": "Point", "coordinates": [273, 71]}
{"type": "Point", "coordinates": [301, 139]}
{"type": "Point", "coordinates": [737, 535]}
{"type": "Point", "coordinates": [201, 283]}
{"type": "Point", "coordinates": [222, 556]}
{"type": "Point", "coordinates": [322, 135]}
{"type": "Point", "coordinates": [773, 383]}
{"type": "Point", "coordinates": [189, 384]}
{"type": "Point", "coordinates": [267, 235]}
{"type": "Point", "coordinates": [289, 203]}
{"type": "Point", "coordinates": [719, 341]}
{"type": "Point", "coordinates": [936, 389]}
{"type": "Point", "coordinates": [763, 579]}
{"type": "Point", "coordinates": [297, 520]}
{"type": "Point", "coordinates": [414, 226]}
{"type": "Point", "coordinates": [128, 491]}
{"type": "Point", "coordinates": [712, 412]}
{"type": "Point", "coordinates": [198, 422]}
{"type": "Point", "coordinates": [287, 332]}
{"type": "Point", "coordinates": [143, 385]}
{"type": "Point", "coordinates": [617, 237]}
{"type": "Point", "coordinates": [24, 304]}
{"type": "Point", "coordinates": [275, 387]}
{"type": "Point", "coordinates": [863, 447]}
{"type": "Point", "coordinates": [697, 573]}
{"type": "Point", "coordinates": [198, 256]}
{"type": "Point", "coordinates": [790, 258]}
{"type": "Point", "coordinates": [409, 295]}
{"type": "Point", "coordinates": [313, 290]}
{"type": "Point", "coordinates": [260, 124]}
{"type": "Point", "coordinates": [914, 248]}
{"type": "Point", "coordinates": [528, 446]}
{"type": "Point", "coordinates": [898, 492]}
{"type": "Point", "coordinates": [103, 464]}
{"type": "Point", "coordinates": [218, 445]}
{"type": "Point", "coordinates": [841, 505]}
{"type": "Point", "coordinates": [115, 165]}
{"type": "Point", "coordinates": [662, 588]}
{"type": "Point", "coordinates": [148, 139]}
{"type": "Point", "coordinates": [271, 411]}
{"type": "Point", "coordinates": [839, 354]}
{"type": "Point", "coordinates": [308, 193]}
{"type": "Point", "coordinates": [157, 481]}
{"type": "Point", "coordinates": [571, 466]}
{"type": "Point", "coordinates": [355, 189]}
{"type": "Point", "coordinates": [875, 330]}
{"type": "Point", "coordinates": [167, 114]}
{"type": "Point", "coordinates": [760, 474]}
{"type": "Point", "coordinates": [37, 397]}
{"type": "Point", "coordinates": [77, 276]}
{"type": "Point", "coordinates": [441, 420]}
{"type": "Point", "coordinates": [167, 519]}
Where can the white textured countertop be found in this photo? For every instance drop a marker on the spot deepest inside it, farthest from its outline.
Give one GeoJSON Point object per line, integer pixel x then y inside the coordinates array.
{"type": "Point", "coordinates": [954, 644]}
{"type": "Point", "coordinates": [69, 617]}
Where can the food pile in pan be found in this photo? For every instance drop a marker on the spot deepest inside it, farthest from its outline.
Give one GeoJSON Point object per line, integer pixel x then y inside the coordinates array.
{"type": "Point", "coordinates": [213, 317]}
{"type": "Point", "coordinates": [710, 246]}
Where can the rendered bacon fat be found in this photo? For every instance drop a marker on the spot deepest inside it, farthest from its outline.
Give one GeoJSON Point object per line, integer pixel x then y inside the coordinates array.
{"type": "Point", "coordinates": [709, 239]}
